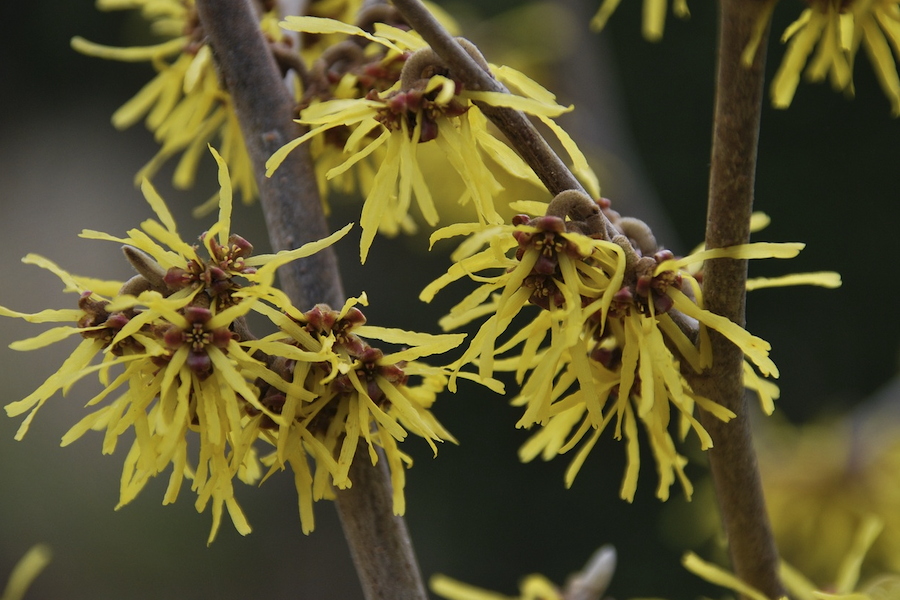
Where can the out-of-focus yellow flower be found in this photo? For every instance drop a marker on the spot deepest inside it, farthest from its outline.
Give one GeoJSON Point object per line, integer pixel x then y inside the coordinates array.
{"type": "Point", "coordinates": [600, 348]}
{"type": "Point", "coordinates": [379, 125]}
{"type": "Point", "coordinates": [25, 572]}
{"type": "Point", "coordinates": [588, 584]}
{"type": "Point", "coordinates": [183, 105]}
{"type": "Point", "coordinates": [843, 583]}
{"type": "Point", "coordinates": [825, 40]}
{"type": "Point", "coordinates": [654, 19]}
{"type": "Point", "coordinates": [533, 587]}
{"type": "Point", "coordinates": [876, 23]}
{"type": "Point", "coordinates": [171, 347]}
{"type": "Point", "coordinates": [822, 480]}
{"type": "Point", "coordinates": [824, 24]}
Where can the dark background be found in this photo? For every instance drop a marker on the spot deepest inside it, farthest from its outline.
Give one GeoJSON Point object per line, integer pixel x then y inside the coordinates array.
{"type": "Point", "coordinates": [827, 175]}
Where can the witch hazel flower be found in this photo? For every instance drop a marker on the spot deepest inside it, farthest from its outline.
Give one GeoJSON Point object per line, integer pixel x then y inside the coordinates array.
{"type": "Point", "coordinates": [353, 395]}
{"type": "Point", "coordinates": [424, 105]}
{"type": "Point", "coordinates": [824, 42]}
{"type": "Point", "coordinates": [844, 584]}
{"type": "Point", "coordinates": [168, 347]}
{"type": "Point", "coordinates": [184, 105]}
{"type": "Point", "coordinates": [610, 342]}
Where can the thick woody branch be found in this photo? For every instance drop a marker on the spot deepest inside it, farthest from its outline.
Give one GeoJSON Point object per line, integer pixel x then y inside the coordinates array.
{"type": "Point", "coordinates": [739, 92]}
{"type": "Point", "coordinates": [534, 150]}
{"type": "Point", "coordinates": [290, 201]}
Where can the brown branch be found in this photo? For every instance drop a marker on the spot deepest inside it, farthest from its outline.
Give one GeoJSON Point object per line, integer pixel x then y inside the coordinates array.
{"type": "Point", "coordinates": [381, 547]}
{"type": "Point", "coordinates": [739, 92]}
{"type": "Point", "coordinates": [290, 198]}
{"type": "Point", "coordinates": [290, 201]}
{"type": "Point", "coordinates": [534, 150]}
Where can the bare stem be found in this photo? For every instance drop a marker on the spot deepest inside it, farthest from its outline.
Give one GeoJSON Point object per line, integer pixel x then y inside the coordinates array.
{"type": "Point", "coordinates": [738, 105]}
{"type": "Point", "coordinates": [378, 540]}
{"type": "Point", "coordinates": [381, 546]}
{"type": "Point", "coordinates": [534, 150]}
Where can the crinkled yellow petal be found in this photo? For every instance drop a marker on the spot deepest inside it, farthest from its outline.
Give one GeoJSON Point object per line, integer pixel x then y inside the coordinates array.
{"type": "Point", "coordinates": [633, 453]}
{"type": "Point", "coordinates": [51, 336]}
{"type": "Point", "coordinates": [383, 186]}
{"type": "Point", "coordinates": [66, 315]}
{"type": "Point", "coordinates": [756, 349]}
{"type": "Point", "coordinates": [132, 54]}
{"type": "Point", "coordinates": [407, 39]}
{"type": "Point", "coordinates": [883, 63]}
{"type": "Point", "coordinates": [759, 221]}
{"type": "Point", "coordinates": [225, 198]}
{"type": "Point", "coordinates": [530, 207]}
{"type": "Point", "coordinates": [603, 14]}
{"type": "Point", "coordinates": [424, 344]}
{"type": "Point", "coordinates": [454, 230]}
{"type": "Point", "coordinates": [322, 25]}
{"type": "Point", "coordinates": [718, 576]}
{"type": "Point", "coordinates": [653, 20]}
{"type": "Point", "coordinates": [580, 165]}
{"type": "Point", "coordinates": [826, 279]}
{"type": "Point", "coordinates": [527, 86]}
{"type": "Point", "coordinates": [270, 262]}
{"type": "Point", "coordinates": [526, 105]}
{"type": "Point", "coordinates": [457, 590]}
{"type": "Point", "coordinates": [784, 84]}
{"type": "Point", "coordinates": [358, 156]}
{"type": "Point", "coordinates": [742, 251]}
{"type": "Point", "coordinates": [848, 573]}
{"type": "Point", "coordinates": [72, 283]}
{"type": "Point", "coordinates": [25, 572]}
{"type": "Point", "coordinates": [195, 70]}
{"type": "Point", "coordinates": [158, 205]}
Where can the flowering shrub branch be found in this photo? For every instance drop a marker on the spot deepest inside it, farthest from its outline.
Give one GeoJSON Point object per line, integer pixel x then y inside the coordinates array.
{"type": "Point", "coordinates": [293, 210]}
{"type": "Point", "coordinates": [732, 175]}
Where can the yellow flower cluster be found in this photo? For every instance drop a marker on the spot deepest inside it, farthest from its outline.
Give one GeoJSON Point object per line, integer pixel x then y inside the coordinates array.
{"type": "Point", "coordinates": [835, 30]}
{"type": "Point", "coordinates": [822, 480]}
{"type": "Point", "coordinates": [828, 35]}
{"type": "Point", "coordinates": [613, 311]}
{"type": "Point", "coordinates": [844, 583]}
{"type": "Point", "coordinates": [382, 109]}
{"type": "Point", "coordinates": [176, 356]}
{"type": "Point", "coordinates": [184, 105]}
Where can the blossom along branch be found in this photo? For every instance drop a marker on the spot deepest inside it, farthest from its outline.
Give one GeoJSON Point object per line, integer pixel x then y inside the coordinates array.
{"type": "Point", "coordinates": [378, 539]}
{"type": "Point", "coordinates": [731, 192]}
{"type": "Point", "coordinates": [290, 200]}
{"type": "Point", "coordinates": [534, 150]}
{"type": "Point", "coordinates": [739, 92]}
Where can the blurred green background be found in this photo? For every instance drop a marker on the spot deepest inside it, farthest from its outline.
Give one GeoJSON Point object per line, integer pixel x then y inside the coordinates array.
{"type": "Point", "coordinates": [827, 176]}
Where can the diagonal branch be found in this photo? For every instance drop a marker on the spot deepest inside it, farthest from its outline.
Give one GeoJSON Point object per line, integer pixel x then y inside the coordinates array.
{"type": "Point", "coordinates": [515, 126]}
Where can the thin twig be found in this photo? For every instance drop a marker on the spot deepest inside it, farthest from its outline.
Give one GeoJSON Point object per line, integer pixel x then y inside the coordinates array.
{"type": "Point", "coordinates": [294, 216]}
{"type": "Point", "coordinates": [739, 92]}
{"type": "Point", "coordinates": [290, 199]}
{"type": "Point", "coordinates": [288, 59]}
{"type": "Point", "coordinates": [515, 126]}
